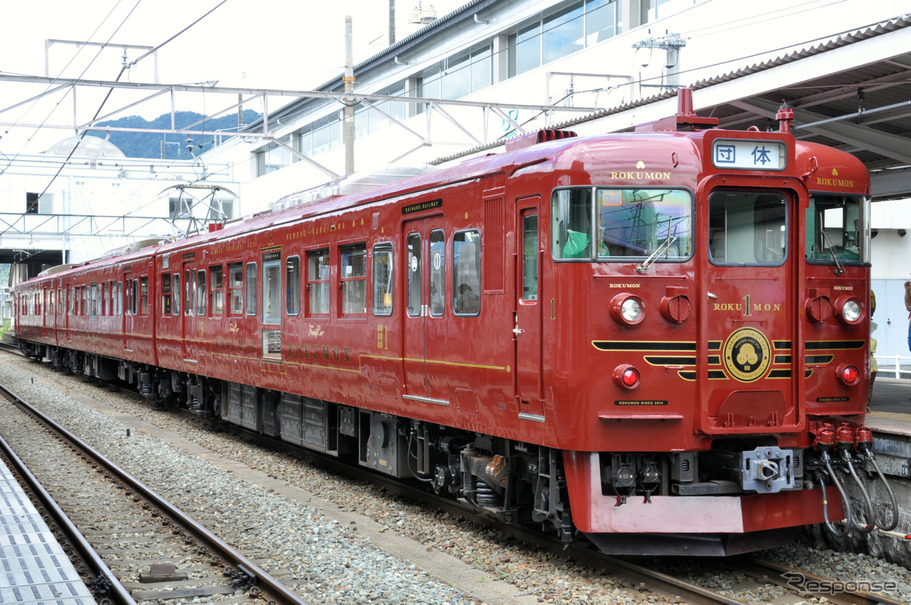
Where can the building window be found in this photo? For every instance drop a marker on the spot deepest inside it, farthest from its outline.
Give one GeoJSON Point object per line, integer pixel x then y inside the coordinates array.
{"type": "Point", "coordinates": [382, 279]}
{"type": "Point", "coordinates": [353, 279]}
{"type": "Point", "coordinates": [36, 203]}
{"type": "Point", "coordinates": [318, 282]}
{"type": "Point", "coordinates": [273, 156]}
{"type": "Point", "coordinates": [563, 33]}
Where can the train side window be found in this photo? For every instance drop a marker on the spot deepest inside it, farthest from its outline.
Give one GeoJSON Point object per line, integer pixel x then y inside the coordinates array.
{"type": "Point", "coordinates": [437, 273]}
{"type": "Point", "coordinates": [84, 310]}
{"type": "Point", "coordinates": [251, 288]}
{"type": "Point", "coordinates": [413, 267]}
{"type": "Point", "coordinates": [272, 292]}
{"type": "Point", "coordinates": [105, 306]}
{"type": "Point", "coordinates": [216, 296]}
{"type": "Point", "coordinates": [353, 279]}
{"type": "Point", "coordinates": [572, 224]}
{"type": "Point", "coordinates": [165, 293]}
{"type": "Point", "coordinates": [176, 296]}
{"type": "Point", "coordinates": [93, 304]}
{"type": "Point", "coordinates": [382, 279]}
{"type": "Point", "coordinates": [188, 284]}
{"type": "Point", "coordinates": [144, 295]}
{"type": "Point", "coordinates": [119, 300]}
{"type": "Point", "coordinates": [466, 272]}
{"type": "Point", "coordinates": [293, 285]}
{"type": "Point", "coordinates": [530, 257]}
{"type": "Point", "coordinates": [200, 292]}
{"type": "Point", "coordinates": [134, 296]}
{"type": "Point", "coordinates": [236, 288]}
{"type": "Point", "coordinates": [71, 303]}
{"type": "Point", "coordinates": [318, 282]}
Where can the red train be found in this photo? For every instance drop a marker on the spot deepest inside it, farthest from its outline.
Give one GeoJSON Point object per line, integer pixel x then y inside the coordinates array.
{"type": "Point", "coordinates": [659, 339]}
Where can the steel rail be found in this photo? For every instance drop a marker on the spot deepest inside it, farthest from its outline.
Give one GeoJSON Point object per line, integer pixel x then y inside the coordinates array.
{"type": "Point", "coordinates": [115, 590]}
{"type": "Point", "coordinates": [266, 586]}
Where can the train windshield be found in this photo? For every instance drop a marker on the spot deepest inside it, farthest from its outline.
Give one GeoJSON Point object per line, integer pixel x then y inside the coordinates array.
{"type": "Point", "coordinates": [624, 224]}
{"type": "Point", "coordinates": [838, 229]}
{"type": "Point", "coordinates": [748, 228]}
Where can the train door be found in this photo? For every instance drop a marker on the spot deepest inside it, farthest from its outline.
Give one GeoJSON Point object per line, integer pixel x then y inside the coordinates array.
{"type": "Point", "coordinates": [187, 325]}
{"type": "Point", "coordinates": [425, 309]}
{"type": "Point", "coordinates": [527, 330]}
{"type": "Point", "coordinates": [272, 306]}
{"type": "Point", "coordinates": [753, 340]}
{"type": "Point", "coordinates": [129, 308]}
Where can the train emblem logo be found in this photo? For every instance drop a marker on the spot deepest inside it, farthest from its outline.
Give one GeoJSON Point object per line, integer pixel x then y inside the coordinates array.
{"type": "Point", "coordinates": [747, 354]}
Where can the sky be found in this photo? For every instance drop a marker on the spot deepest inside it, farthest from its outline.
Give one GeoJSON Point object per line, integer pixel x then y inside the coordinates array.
{"type": "Point", "coordinates": [284, 44]}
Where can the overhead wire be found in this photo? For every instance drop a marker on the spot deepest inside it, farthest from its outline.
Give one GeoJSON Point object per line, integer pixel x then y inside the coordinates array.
{"type": "Point", "coordinates": [53, 82]}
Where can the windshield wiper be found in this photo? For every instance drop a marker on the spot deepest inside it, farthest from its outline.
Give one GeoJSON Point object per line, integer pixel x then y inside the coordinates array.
{"type": "Point", "coordinates": [651, 259]}
{"type": "Point", "coordinates": [838, 268]}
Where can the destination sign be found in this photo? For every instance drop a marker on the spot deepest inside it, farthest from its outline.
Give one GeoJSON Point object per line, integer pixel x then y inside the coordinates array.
{"type": "Point", "coordinates": [741, 154]}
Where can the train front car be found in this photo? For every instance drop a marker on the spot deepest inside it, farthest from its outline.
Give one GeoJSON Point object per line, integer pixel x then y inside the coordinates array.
{"type": "Point", "coordinates": [710, 289]}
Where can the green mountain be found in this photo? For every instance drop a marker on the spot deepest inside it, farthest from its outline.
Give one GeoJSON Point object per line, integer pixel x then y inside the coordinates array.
{"type": "Point", "coordinates": [170, 146]}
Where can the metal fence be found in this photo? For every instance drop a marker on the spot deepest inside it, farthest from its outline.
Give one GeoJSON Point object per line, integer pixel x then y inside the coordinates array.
{"type": "Point", "coordinates": [893, 366]}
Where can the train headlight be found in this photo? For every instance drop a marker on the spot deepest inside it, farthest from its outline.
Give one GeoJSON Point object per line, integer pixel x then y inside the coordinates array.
{"type": "Point", "coordinates": [848, 375]}
{"type": "Point", "coordinates": [626, 376]}
{"type": "Point", "coordinates": [849, 310]}
{"type": "Point", "coordinates": [627, 309]}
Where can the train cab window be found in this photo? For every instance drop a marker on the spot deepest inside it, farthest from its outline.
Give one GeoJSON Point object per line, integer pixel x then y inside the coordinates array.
{"type": "Point", "coordinates": [236, 288]}
{"type": "Point", "coordinates": [627, 225]}
{"type": "Point", "coordinates": [200, 292]}
{"type": "Point", "coordinates": [216, 293]}
{"type": "Point", "coordinates": [414, 274]}
{"type": "Point", "coordinates": [748, 228]}
{"type": "Point", "coordinates": [318, 282]}
{"type": "Point", "coordinates": [572, 228]}
{"type": "Point", "coordinates": [176, 297]}
{"type": "Point", "coordinates": [466, 272]}
{"type": "Point", "coordinates": [166, 293]}
{"type": "Point", "coordinates": [838, 229]}
{"type": "Point", "coordinates": [251, 288]}
{"type": "Point", "coordinates": [353, 279]}
{"type": "Point", "coordinates": [293, 285]}
{"type": "Point", "coordinates": [144, 295]}
{"type": "Point", "coordinates": [272, 292]}
{"type": "Point", "coordinates": [382, 279]}
{"type": "Point", "coordinates": [437, 273]}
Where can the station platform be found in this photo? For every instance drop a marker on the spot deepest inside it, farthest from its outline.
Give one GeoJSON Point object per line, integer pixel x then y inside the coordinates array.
{"type": "Point", "coordinates": [33, 566]}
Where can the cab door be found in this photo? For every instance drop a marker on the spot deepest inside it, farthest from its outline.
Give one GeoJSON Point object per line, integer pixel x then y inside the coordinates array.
{"type": "Point", "coordinates": [527, 331]}
{"type": "Point", "coordinates": [425, 310]}
{"type": "Point", "coordinates": [752, 378]}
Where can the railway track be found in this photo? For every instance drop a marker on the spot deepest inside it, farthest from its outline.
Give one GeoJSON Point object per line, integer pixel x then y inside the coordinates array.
{"type": "Point", "coordinates": [658, 581]}
{"type": "Point", "coordinates": [129, 539]}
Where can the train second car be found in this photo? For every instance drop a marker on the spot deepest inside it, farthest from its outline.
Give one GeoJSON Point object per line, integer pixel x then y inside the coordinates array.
{"type": "Point", "coordinates": [657, 340]}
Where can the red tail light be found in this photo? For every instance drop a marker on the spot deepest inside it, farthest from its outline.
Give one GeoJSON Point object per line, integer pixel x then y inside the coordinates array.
{"type": "Point", "coordinates": [626, 376]}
